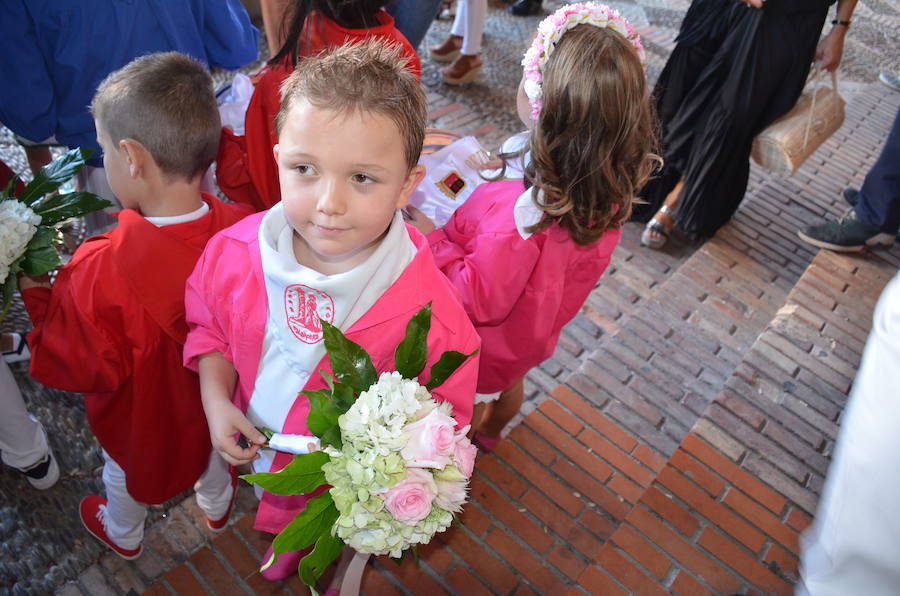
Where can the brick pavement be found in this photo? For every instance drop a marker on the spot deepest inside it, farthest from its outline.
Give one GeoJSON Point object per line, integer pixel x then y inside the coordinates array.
{"type": "Point", "coordinates": [653, 333]}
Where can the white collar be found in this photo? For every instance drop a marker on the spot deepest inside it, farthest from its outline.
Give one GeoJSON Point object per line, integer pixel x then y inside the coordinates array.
{"type": "Point", "coordinates": [171, 220]}
{"type": "Point", "coordinates": [526, 213]}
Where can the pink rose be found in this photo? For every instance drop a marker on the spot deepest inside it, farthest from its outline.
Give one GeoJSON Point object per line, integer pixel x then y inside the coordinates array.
{"type": "Point", "coordinates": [464, 455]}
{"type": "Point", "coordinates": [409, 501]}
{"type": "Point", "coordinates": [431, 441]}
{"type": "Point", "coordinates": [451, 495]}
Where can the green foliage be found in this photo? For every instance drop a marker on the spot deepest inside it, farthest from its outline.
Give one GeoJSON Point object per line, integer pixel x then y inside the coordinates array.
{"type": "Point", "coordinates": [328, 548]}
{"type": "Point", "coordinates": [446, 366]}
{"type": "Point", "coordinates": [55, 209]}
{"type": "Point", "coordinates": [315, 520]}
{"type": "Point", "coordinates": [55, 174]}
{"type": "Point", "coordinates": [350, 363]}
{"type": "Point", "coordinates": [412, 352]}
{"type": "Point", "coordinates": [303, 475]}
{"type": "Point", "coordinates": [40, 255]}
{"type": "Point", "coordinates": [322, 420]}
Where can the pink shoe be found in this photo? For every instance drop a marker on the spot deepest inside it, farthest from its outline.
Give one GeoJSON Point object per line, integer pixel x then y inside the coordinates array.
{"type": "Point", "coordinates": [285, 566]}
{"type": "Point", "coordinates": [93, 511]}
{"type": "Point", "coordinates": [486, 443]}
{"type": "Point", "coordinates": [218, 525]}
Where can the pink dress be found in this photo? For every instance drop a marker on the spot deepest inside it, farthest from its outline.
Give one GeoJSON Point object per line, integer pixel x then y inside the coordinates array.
{"type": "Point", "coordinates": [226, 311]}
{"type": "Point", "coordinates": [519, 293]}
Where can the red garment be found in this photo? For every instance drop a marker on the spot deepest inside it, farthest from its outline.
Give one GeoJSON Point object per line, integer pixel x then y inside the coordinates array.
{"type": "Point", "coordinates": [246, 170]}
{"type": "Point", "coordinates": [113, 328]}
{"type": "Point", "coordinates": [6, 174]}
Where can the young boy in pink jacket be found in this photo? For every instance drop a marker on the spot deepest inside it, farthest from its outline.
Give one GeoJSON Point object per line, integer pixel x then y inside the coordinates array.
{"type": "Point", "coordinates": [350, 130]}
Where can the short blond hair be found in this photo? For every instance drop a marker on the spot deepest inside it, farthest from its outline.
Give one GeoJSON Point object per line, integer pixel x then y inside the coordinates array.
{"type": "Point", "coordinates": [372, 76]}
{"type": "Point", "coordinates": [165, 101]}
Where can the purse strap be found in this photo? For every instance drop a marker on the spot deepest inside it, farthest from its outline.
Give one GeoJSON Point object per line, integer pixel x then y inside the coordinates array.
{"type": "Point", "coordinates": [812, 109]}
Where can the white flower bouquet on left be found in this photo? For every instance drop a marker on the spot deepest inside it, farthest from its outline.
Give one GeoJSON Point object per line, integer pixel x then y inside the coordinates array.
{"type": "Point", "coordinates": [398, 468]}
{"type": "Point", "coordinates": [29, 223]}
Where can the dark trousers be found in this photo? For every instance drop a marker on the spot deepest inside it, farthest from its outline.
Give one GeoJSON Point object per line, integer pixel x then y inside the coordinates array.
{"type": "Point", "coordinates": [879, 198]}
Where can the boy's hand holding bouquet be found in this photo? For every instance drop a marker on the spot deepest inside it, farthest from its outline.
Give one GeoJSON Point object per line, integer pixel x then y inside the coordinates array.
{"type": "Point", "coordinates": [397, 466]}
{"type": "Point", "coordinates": [29, 223]}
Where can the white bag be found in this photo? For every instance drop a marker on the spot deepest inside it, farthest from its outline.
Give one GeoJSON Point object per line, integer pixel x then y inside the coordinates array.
{"type": "Point", "coordinates": [233, 101]}
{"type": "Point", "coordinates": [451, 175]}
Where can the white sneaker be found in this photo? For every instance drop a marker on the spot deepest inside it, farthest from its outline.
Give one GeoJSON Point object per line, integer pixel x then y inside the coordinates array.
{"type": "Point", "coordinates": [43, 474]}
{"type": "Point", "coordinates": [19, 351]}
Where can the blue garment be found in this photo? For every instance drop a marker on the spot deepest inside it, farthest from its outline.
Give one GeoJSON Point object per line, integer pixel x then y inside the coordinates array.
{"type": "Point", "coordinates": [879, 198]}
{"type": "Point", "coordinates": [58, 51]}
{"type": "Point", "coordinates": [413, 18]}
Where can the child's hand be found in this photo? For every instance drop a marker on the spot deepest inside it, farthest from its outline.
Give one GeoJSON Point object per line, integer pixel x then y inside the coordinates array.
{"type": "Point", "coordinates": [419, 220]}
{"type": "Point", "coordinates": [26, 282]}
{"type": "Point", "coordinates": [225, 421]}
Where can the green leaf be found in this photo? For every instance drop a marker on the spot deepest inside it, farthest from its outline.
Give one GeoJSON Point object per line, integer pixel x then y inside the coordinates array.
{"type": "Point", "coordinates": [303, 475]}
{"type": "Point", "coordinates": [314, 521]}
{"type": "Point", "coordinates": [56, 208]}
{"type": "Point", "coordinates": [55, 174]}
{"type": "Point", "coordinates": [323, 417]}
{"type": "Point", "coordinates": [446, 366]}
{"type": "Point", "coordinates": [7, 289]}
{"type": "Point", "coordinates": [412, 352]}
{"type": "Point", "coordinates": [350, 363]}
{"type": "Point", "coordinates": [10, 188]}
{"type": "Point", "coordinates": [328, 548]}
{"type": "Point", "coordinates": [343, 397]}
{"type": "Point", "coordinates": [40, 255]}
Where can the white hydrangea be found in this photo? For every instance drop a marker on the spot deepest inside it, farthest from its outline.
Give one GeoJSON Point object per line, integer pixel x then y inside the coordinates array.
{"type": "Point", "coordinates": [18, 223]}
{"type": "Point", "coordinates": [375, 421]}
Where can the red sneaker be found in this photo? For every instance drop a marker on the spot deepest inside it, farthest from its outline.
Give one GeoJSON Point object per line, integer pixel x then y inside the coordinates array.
{"type": "Point", "coordinates": [92, 511]}
{"type": "Point", "coordinates": [218, 525]}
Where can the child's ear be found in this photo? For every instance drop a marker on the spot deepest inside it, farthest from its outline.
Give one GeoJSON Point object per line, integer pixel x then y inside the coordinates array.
{"type": "Point", "coordinates": [136, 156]}
{"type": "Point", "coordinates": [275, 152]}
{"type": "Point", "coordinates": [409, 185]}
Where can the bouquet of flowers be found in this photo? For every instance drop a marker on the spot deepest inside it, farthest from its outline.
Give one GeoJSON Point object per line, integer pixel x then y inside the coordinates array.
{"type": "Point", "coordinates": [29, 223]}
{"type": "Point", "coordinates": [397, 467]}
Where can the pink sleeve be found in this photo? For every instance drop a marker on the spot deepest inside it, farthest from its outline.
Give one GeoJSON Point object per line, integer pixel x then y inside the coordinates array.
{"type": "Point", "coordinates": [459, 388]}
{"type": "Point", "coordinates": [490, 271]}
{"type": "Point", "coordinates": [205, 333]}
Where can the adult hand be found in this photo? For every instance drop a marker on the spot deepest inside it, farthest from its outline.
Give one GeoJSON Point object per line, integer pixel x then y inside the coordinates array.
{"type": "Point", "coordinates": [831, 49]}
{"type": "Point", "coordinates": [419, 220]}
{"type": "Point", "coordinates": [26, 282]}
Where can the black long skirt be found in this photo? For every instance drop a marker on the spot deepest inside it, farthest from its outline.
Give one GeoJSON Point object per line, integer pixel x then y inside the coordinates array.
{"type": "Point", "coordinates": [734, 71]}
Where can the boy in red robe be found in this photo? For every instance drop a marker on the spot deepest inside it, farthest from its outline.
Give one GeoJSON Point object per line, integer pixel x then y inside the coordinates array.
{"type": "Point", "coordinates": [112, 325]}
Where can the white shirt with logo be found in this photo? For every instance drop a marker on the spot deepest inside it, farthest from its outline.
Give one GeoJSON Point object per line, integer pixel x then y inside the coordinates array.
{"type": "Point", "coordinates": [298, 297]}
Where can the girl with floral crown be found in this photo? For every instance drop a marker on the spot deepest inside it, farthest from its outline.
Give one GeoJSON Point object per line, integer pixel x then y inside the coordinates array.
{"type": "Point", "coordinates": [525, 251]}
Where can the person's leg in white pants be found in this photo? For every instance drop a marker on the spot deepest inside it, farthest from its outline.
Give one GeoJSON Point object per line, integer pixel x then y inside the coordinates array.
{"type": "Point", "coordinates": [124, 517]}
{"type": "Point", "coordinates": [23, 442]}
{"type": "Point", "coordinates": [469, 23]}
{"type": "Point", "coordinates": [214, 488]}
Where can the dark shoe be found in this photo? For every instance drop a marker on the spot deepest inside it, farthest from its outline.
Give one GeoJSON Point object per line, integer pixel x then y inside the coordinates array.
{"type": "Point", "coordinates": [526, 8]}
{"type": "Point", "coordinates": [848, 234]}
{"type": "Point", "coordinates": [43, 474]}
{"type": "Point", "coordinates": [851, 195]}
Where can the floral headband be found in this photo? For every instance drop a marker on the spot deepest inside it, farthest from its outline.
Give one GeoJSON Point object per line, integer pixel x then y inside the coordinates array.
{"type": "Point", "coordinates": [551, 30]}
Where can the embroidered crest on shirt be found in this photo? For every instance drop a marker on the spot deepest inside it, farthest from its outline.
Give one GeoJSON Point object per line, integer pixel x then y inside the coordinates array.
{"type": "Point", "coordinates": [303, 307]}
{"type": "Point", "coordinates": [451, 185]}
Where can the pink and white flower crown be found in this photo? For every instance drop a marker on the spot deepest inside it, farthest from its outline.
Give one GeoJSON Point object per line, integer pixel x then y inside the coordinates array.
{"type": "Point", "coordinates": [551, 30]}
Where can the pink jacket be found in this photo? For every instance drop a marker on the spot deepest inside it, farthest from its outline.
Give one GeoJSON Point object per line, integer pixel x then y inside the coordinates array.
{"type": "Point", "coordinates": [226, 310]}
{"type": "Point", "coordinates": [518, 293]}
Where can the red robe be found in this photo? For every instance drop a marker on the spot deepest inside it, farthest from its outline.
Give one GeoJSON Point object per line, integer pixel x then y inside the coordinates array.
{"type": "Point", "coordinates": [246, 170]}
{"type": "Point", "coordinates": [113, 328]}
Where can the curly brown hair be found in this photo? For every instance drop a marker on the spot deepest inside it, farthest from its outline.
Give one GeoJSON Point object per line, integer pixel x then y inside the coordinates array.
{"type": "Point", "coordinates": [593, 145]}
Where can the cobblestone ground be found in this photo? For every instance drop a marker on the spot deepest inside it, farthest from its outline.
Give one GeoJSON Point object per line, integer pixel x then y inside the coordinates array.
{"type": "Point", "coordinates": [42, 544]}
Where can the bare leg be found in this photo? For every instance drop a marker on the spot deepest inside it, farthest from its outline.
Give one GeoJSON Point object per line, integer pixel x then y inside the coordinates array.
{"type": "Point", "coordinates": [6, 344]}
{"type": "Point", "coordinates": [655, 237]}
{"type": "Point", "coordinates": [38, 157]}
{"type": "Point", "coordinates": [273, 14]}
{"type": "Point", "coordinates": [503, 410]}
{"type": "Point", "coordinates": [478, 415]}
